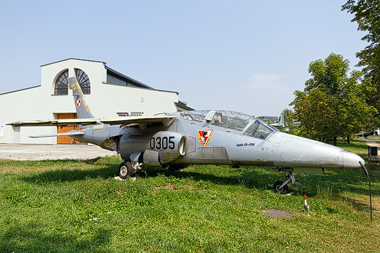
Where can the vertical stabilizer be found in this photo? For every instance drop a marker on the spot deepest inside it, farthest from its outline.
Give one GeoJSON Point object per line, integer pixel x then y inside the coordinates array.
{"type": "Point", "coordinates": [83, 110]}
{"type": "Point", "coordinates": [282, 120]}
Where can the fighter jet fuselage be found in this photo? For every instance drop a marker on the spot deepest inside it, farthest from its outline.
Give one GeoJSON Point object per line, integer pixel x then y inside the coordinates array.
{"type": "Point", "coordinates": [219, 137]}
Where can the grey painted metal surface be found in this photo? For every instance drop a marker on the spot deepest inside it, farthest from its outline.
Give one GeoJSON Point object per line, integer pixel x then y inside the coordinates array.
{"type": "Point", "coordinates": [203, 137]}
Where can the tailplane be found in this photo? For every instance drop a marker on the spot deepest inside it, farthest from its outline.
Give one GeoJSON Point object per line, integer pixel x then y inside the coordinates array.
{"type": "Point", "coordinates": [83, 110]}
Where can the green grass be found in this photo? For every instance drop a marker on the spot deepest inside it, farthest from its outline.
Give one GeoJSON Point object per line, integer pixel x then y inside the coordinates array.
{"type": "Point", "coordinates": [77, 206]}
{"type": "Point", "coordinates": [370, 137]}
{"type": "Point", "coordinates": [356, 146]}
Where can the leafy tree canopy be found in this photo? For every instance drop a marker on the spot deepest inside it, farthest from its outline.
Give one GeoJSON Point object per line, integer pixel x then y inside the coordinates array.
{"type": "Point", "coordinates": [367, 15]}
{"type": "Point", "coordinates": [333, 104]}
{"type": "Point", "coordinates": [288, 120]}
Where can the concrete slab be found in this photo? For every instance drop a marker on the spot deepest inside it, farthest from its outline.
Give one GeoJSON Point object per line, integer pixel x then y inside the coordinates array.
{"type": "Point", "coordinates": [52, 152]}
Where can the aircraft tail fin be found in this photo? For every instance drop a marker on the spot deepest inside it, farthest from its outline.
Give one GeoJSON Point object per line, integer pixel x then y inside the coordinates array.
{"type": "Point", "coordinates": [282, 120]}
{"type": "Point", "coordinates": [83, 110]}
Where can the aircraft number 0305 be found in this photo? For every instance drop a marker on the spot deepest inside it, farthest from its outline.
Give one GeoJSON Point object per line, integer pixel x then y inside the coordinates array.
{"type": "Point", "coordinates": [162, 142]}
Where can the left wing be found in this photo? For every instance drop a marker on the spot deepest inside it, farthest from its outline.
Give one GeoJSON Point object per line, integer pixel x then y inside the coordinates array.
{"type": "Point", "coordinates": [165, 120]}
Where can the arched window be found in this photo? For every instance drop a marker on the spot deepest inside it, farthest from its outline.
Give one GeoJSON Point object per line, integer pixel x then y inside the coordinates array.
{"type": "Point", "coordinates": [83, 81]}
{"type": "Point", "coordinates": [62, 84]}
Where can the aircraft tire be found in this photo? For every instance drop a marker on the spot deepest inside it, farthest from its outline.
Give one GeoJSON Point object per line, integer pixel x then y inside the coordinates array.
{"type": "Point", "coordinates": [125, 169]}
{"type": "Point", "coordinates": [276, 186]}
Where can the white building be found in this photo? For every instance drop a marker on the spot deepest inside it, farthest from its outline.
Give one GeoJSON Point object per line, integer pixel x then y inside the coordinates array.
{"type": "Point", "coordinates": [108, 93]}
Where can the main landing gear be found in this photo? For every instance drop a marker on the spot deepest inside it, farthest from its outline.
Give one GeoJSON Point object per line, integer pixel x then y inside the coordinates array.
{"type": "Point", "coordinates": [129, 168]}
{"type": "Point", "coordinates": [282, 186]}
{"type": "Point", "coordinates": [126, 169]}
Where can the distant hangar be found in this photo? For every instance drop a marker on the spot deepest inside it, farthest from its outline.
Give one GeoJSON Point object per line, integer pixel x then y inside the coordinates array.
{"type": "Point", "coordinates": [109, 94]}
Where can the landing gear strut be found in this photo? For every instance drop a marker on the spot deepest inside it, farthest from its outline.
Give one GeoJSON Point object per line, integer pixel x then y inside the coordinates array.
{"type": "Point", "coordinates": [282, 186]}
{"type": "Point", "coordinates": [130, 168]}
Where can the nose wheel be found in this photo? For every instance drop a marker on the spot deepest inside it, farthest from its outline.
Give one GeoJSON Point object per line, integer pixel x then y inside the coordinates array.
{"type": "Point", "coordinates": [282, 186]}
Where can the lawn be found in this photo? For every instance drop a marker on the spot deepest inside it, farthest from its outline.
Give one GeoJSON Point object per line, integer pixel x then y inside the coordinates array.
{"type": "Point", "coordinates": [78, 206]}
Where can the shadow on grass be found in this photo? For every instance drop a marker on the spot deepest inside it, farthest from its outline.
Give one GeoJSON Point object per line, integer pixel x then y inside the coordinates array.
{"type": "Point", "coordinates": [29, 239]}
{"type": "Point", "coordinates": [47, 162]}
{"type": "Point", "coordinates": [64, 175]}
{"type": "Point", "coordinates": [71, 170]}
{"type": "Point", "coordinates": [329, 185]}
{"type": "Point", "coordinates": [261, 178]}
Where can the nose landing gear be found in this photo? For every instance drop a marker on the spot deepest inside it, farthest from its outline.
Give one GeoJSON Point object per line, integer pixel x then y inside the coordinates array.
{"type": "Point", "coordinates": [282, 186]}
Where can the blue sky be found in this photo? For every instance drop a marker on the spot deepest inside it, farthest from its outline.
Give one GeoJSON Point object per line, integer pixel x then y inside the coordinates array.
{"type": "Point", "coordinates": [247, 56]}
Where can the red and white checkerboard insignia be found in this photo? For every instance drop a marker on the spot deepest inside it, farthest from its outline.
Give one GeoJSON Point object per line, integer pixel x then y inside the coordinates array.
{"type": "Point", "coordinates": [79, 102]}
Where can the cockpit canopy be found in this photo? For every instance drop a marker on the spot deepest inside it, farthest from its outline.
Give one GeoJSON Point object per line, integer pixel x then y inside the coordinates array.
{"type": "Point", "coordinates": [236, 121]}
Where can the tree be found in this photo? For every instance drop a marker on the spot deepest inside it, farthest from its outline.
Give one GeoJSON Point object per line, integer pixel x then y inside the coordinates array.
{"type": "Point", "coordinates": [367, 15]}
{"type": "Point", "coordinates": [288, 121]}
{"type": "Point", "coordinates": [332, 105]}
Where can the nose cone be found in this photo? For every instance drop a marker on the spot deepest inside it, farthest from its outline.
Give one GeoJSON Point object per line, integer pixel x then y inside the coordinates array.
{"type": "Point", "coordinates": [294, 151]}
{"type": "Point", "coordinates": [351, 160]}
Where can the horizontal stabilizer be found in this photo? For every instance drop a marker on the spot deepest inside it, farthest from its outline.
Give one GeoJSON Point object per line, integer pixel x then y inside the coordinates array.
{"type": "Point", "coordinates": [55, 122]}
{"type": "Point", "coordinates": [71, 133]}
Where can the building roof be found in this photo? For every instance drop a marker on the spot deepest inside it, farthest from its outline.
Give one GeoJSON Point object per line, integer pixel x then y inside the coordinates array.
{"type": "Point", "coordinates": [184, 106]}
{"type": "Point", "coordinates": [109, 71]}
{"type": "Point", "coordinates": [72, 59]}
{"type": "Point", "coordinates": [268, 118]}
{"type": "Point", "coordinates": [20, 90]}
{"type": "Point", "coordinates": [114, 73]}
{"type": "Point", "coordinates": [127, 78]}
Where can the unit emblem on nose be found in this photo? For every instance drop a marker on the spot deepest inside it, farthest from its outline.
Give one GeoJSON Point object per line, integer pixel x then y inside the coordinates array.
{"type": "Point", "coordinates": [204, 136]}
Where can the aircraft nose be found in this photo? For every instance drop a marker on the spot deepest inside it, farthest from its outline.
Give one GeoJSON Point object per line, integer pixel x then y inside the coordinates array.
{"type": "Point", "coordinates": [295, 151]}
{"type": "Point", "coordinates": [351, 160]}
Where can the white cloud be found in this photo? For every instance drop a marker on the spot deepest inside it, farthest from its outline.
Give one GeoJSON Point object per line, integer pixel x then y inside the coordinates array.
{"type": "Point", "coordinates": [266, 94]}
{"type": "Point", "coordinates": [263, 82]}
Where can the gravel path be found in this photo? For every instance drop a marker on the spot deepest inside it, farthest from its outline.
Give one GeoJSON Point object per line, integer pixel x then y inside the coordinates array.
{"type": "Point", "coordinates": [52, 152]}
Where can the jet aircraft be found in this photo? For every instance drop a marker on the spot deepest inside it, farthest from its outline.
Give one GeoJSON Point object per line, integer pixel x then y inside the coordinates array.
{"type": "Point", "coordinates": [281, 123]}
{"type": "Point", "coordinates": [218, 137]}
{"type": "Point", "coordinates": [364, 134]}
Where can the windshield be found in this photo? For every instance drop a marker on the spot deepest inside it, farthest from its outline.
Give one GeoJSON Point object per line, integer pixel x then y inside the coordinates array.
{"type": "Point", "coordinates": [194, 115]}
{"type": "Point", "coordinates": [231, 120]}
{"type": "Point", "coordinates": [259, 130]}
